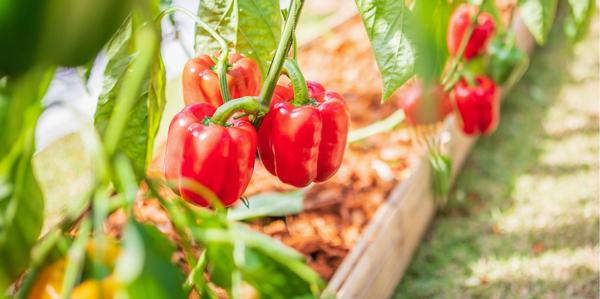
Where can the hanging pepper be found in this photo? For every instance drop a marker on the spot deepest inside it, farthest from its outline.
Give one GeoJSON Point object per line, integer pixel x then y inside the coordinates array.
{"type": "Point", "coordinates": [425, 107]}
{"type": "Point", "coordinates": [478, 105]}
{"type": "Point", "coordinates": [303, 137]}
{"type": "Point", "coordinates": [211, 152]}
{"type": "Point", "coordinates": [201, 82]}
{"type": "Point", "coordinates": [482, 32]}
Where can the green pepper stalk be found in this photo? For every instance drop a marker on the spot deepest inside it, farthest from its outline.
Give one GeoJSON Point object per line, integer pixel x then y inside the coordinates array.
{"type": "Point", "coordinates": [281, 53]}
{"type": "Point", "coordinates": [292, 70]}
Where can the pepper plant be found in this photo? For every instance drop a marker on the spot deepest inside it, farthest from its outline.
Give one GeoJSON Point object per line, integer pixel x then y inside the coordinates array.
{"type": "Point", "coordinates": [212, 142]}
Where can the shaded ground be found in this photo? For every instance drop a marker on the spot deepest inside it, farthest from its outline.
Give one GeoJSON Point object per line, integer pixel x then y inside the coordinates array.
{"type": "Point", "coordinates": [523, 218]}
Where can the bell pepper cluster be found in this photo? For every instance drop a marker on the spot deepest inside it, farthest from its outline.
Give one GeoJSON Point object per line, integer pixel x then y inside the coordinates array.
{"type": "Point", "coordinates": [300, 138]}
{"type": "Point", "coordinates": [475, 98]}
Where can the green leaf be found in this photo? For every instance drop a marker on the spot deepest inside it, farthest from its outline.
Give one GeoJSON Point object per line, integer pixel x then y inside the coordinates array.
{"type": "Point", "coordinates": [145, 265]}
{"type": "Point", "coordinates": [259, 30]}
{"type": "Point", "coordinates": [156, 102]}
{"type": "Point", "coordinates": [270, 204]}
{"type": "Point", "coordinates": [580, 14]}
{"type": "Point", "coordinates": [251, 27]}
{"type": "Point", "coordinates": [137, 139]}
{"type": "Point", "coordinates": [538, 16]}
{"type": "Point", "coordinates": [258, 256]}
{"type": "Point", "coordinates": [427, 30]}
{"type": "Point", "coordinates": [221, 16]}
{"type": "Point", "coordinates": [21, 200]}
{"type": "Point", "coordinates": [385, 22]}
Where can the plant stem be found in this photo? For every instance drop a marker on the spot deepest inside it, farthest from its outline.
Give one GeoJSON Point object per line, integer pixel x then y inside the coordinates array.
{"type": "Point", "coordinates": [381, 126]}
{"type": "Point", "coordinates": [461, 50]}
{"type": "Point", "coordinates": [249, 104]}
{"type": "Point", "coordinates": [292, 70]}
{"type": "Point", "coordinates": [223, 57]}
{"type": "Point", "coordinates": [285, 43]}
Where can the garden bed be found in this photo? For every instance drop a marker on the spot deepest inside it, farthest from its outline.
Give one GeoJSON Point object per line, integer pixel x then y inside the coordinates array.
{"type": "Point", "coordinates": [359, 229]}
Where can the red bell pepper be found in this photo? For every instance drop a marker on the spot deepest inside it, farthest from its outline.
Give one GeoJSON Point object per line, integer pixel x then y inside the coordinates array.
{"type": "Point", "coordinates": [478, 105]}
{"type": "Point", "coordinates": [425, 107]}
{"type": "Point", "coordinates": [482, 33]}
{"type": "Point", "coordinates": [201, 82]}
{"type": "Point", "coordinates": [220, 158]}
{"type": "Point", "coordinates": [303, 140]}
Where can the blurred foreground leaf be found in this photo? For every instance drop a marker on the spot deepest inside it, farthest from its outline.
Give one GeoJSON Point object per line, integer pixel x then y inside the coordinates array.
{"type": "Point", "coordinates": [269, 204]}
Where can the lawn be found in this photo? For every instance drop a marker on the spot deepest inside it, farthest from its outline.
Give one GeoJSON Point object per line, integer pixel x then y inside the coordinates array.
{"type": "Point", "coordinates": [523, 217]}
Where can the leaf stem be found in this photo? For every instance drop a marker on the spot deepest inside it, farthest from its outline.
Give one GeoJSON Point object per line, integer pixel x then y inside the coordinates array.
{"type": "Point", "coordinates": [285, 43]}
{"type": "Point", "coordinates": [375, 128]}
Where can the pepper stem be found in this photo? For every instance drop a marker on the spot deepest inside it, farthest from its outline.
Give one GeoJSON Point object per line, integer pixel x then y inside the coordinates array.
{"type": "Point", "coordinates": [292, 70]}
{"type": "Point", "coordinates": [285, 43]}
{"type": "Point", "coordinates": [249, 104]}
{"type": "Point", "coordinates": [223, 57]}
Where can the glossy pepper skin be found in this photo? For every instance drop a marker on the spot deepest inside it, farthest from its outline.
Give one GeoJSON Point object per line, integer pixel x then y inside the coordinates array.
{"type": "Point", "coordinates": [305, 143]}
{"type": "Point", "coordinates": [201, 82]}
{"type": "Point", "coordinates": [478, 105]}
{"type": "Point", "coordinates": [482, 33]}
{"type": "Point", "coordinates": [425, 105]}
{"type": "Point", "coordinates": [220, 158]}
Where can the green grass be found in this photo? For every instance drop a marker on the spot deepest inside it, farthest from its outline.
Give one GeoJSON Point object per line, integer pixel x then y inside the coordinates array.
{"type": "Point", "coordinates": [523, 217]}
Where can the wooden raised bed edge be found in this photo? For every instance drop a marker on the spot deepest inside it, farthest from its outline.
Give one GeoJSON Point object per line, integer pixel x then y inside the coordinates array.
{"type": "Point", "coordinates": [379, 259]}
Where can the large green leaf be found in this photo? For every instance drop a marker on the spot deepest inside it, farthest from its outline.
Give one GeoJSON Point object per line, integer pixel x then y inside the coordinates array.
{"type": "Point", "coordinates": [580, 14]}
{"type": "Point", "coordinates": [251, 27]}
{"type": "Point", "coordinates": [385, 22]}
{"type": "Point", "coordinates": [538, 16]}
{"type": "Point", "coordinates": [259, 30]}
{"type": "Point", "coordinates": [145, 266]}
{"type": "Point", "coordinates": [137, 139]}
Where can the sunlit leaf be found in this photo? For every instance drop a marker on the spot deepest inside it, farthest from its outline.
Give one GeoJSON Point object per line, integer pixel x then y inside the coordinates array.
{"type": "Point", "coordinates": [538, 16]}
{"type": "Point", "coordinates": [580, 14]}
{"type": "Point", "coordinates": [251, 27]}
{"type": "Point", "coordinates": [137, 138]}
{"type": "Point", "coordinates": [385, 22]}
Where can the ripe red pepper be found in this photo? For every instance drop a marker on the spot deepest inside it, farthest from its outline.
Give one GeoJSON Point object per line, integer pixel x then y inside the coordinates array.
{"type": "Point", "coordinates": [302, 142]}
{"type": "Point", "coordinates": [425, 107]}
{"type": "Point", "coordinates": [478, 105]}
{"type": "Point", "coordinates": [201, 82]}
{"type": "Point", "coordinates": [482, 33]}
{"type": "Point", "coordinates": [220, 158]}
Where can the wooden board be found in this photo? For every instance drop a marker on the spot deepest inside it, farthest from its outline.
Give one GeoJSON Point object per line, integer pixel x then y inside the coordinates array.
{"type": "Point", "coordinates": [378, 261]}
